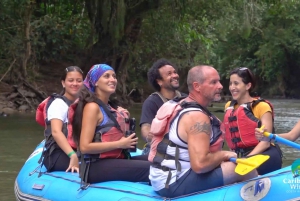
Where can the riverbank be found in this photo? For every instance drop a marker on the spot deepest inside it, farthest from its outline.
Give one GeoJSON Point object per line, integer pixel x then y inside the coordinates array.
{"type": "Point", "coordinates": [24, 97]}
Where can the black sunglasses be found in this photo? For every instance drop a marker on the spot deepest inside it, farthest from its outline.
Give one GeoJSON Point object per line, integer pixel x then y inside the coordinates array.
{"type": "Point", "coordinates": [243, 68]}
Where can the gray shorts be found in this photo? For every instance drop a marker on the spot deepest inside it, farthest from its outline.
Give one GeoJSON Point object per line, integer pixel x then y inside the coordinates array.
{"type": "Point", "coordinates": [192, 182]}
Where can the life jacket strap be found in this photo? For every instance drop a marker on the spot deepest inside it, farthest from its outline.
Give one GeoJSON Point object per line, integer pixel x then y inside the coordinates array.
{"type": "Point", "coordinates": [242, 152]}
{"type": "Point", "coordinates": [49, 147]}
{"type": "Point", "coordinates": [177, 163]}
{"type": "Point", "coordinates": [84, 172]}
{"type": "Point", "coordinates": [168, 179]}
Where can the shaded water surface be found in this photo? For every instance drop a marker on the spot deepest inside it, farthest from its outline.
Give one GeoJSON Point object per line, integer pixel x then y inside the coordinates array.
{"type": "Point", "coordinates": [21, 134]}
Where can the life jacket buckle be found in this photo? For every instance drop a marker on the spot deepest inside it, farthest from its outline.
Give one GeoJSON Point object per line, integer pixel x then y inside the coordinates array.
{"type": "Point", "coordinates": [232, 118]}
{"type": "Point", "coordinates": [236, 139]}
{"type": "Point", "coordinates": [233, 129]}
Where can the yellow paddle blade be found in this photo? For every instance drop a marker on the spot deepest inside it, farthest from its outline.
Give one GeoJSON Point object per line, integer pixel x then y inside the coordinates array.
{"type": "Point", "coordinates": [246, 165]}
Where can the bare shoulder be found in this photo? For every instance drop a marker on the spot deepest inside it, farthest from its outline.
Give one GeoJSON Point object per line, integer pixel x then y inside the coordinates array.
{"type": "Point", "coordinates": [195, 115]}
{"type": "Point", "coordinates": [91, 108]}
{"type": "Point", "coordinates": [92, 113]}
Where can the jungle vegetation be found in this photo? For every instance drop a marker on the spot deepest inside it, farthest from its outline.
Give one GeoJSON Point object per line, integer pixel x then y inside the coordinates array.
{"type": "Point", "coordinates": [130, 35]}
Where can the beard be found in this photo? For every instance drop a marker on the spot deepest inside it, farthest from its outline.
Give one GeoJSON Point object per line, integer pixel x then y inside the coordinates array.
{"type": "Point", "coordinates": [172, 87]}
{"type": "Point", "coordinates": [218, 98]}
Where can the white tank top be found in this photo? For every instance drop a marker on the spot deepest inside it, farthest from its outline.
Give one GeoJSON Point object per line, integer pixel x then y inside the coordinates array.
{"type": "Point", "coordinates": [157, 176]}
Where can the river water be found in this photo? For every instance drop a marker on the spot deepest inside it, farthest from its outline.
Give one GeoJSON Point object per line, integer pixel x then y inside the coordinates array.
{"type": "Point", "coordinates": [20, 134]}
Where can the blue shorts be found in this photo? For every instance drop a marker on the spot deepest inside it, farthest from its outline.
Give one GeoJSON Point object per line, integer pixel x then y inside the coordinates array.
{"type": "Point", "coordinates": [192, 182]}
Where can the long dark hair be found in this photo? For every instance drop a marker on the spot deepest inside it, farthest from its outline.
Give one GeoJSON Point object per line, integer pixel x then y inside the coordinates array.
{"type": "Point", "coordinates": [85, 96]}
{"type": "Point", "coordinates": [66, 71]}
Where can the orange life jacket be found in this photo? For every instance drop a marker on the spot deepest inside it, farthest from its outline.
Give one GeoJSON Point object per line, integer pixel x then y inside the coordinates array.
{"type": "Point", "coordinates": [240, 124]}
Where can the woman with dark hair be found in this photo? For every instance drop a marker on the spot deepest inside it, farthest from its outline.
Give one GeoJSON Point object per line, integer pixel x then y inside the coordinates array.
{"type": "Point", "coordinates": [102, 133]}
{"type": "Point", "coordinates": [245, 113]}
{"type": "Point", "coordinates": [60, 153]}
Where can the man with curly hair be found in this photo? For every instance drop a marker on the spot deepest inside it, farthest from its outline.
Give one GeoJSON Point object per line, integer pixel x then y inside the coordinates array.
{"type": "Point", "coordinates": [164, 78]}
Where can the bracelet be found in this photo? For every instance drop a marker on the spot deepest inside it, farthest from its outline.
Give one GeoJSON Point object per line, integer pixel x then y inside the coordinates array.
{"type": "Point", "coordinates": [273, 139]}
{"type": "Point", "coordinates": [71, 153]}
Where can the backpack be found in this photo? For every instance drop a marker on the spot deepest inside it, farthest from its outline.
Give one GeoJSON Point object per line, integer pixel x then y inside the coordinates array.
{"type": "Point", "coordinates": [41, 111]}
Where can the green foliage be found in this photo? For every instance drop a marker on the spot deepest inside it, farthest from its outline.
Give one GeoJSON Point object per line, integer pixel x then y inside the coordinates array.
{"type": "Point", "coordinates": [132, 34]}
{"type": "Point", "coordinates": [266, 41]}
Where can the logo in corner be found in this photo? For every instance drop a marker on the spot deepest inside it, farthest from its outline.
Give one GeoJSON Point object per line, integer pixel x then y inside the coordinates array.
{"type": "Point", "coordinates": [296, 168]}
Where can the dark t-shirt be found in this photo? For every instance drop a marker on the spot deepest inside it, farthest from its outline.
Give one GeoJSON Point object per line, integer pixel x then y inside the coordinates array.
{"type": "Point", "coordinates": [150, 108]}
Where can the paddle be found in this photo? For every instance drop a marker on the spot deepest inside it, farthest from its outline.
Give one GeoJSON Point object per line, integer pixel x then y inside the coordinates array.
{"type": "Point", "coordinates": [281, 140]}
{"type": "Point", "coordinates": [246, 165]}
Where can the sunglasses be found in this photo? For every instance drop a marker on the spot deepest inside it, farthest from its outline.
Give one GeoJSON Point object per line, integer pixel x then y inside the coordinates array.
{"type": "Point", "coordinates": [243, 68]}
{"type": "Point", "coordinates": [73, 68]}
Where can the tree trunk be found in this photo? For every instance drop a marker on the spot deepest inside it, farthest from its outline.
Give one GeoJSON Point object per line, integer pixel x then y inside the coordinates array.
{"type": "Point", "coordinates": [27, 45]}
{"type": "Point", "coordinates": [111, 49]}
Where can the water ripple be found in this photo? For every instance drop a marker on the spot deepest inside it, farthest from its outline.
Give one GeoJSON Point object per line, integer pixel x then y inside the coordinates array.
{"type": "Point", "coordinates": [287, 114]}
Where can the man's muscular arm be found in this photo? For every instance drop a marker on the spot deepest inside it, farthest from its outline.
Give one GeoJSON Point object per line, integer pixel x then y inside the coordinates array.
{"type": "Point", "coordinates": [196, 128]}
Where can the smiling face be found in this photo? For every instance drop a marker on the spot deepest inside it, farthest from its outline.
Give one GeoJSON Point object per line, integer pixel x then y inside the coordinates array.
{"type": "Point", "coordinates": [72, 84]}
{"type": "Point", "coordinates": [211, 88]}
{"type": "Point", "coordinates": [170, 78]}
{"type": "Point", "coordinates": [238, 88]}
{"type": "Point", "coordinates": [107, 83]}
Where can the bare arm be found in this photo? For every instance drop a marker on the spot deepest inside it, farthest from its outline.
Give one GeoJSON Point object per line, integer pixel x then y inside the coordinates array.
{"type": "Point", "coordinates": [267, 121]}
{"type": "Point", "coordinates": [92, 116]}
{"type": "Point", "coordinates": [145, 131]}
{"type": "Point", "coordinates": [59, 137]}
{"type": "Point", "coordinates": [195, 127]}
{"type": "Point", "coordinates": [61, 140]}
{"type": "Point", "coordinates": [293, 134]}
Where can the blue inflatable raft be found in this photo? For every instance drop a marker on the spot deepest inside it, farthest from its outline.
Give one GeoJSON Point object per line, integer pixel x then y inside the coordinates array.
{"type": "Point", "coordinates": [62, 186]}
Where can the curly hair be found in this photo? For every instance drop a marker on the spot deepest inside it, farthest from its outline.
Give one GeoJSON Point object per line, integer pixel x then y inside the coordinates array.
{"type": "Point", "coordinates": [153, 73]}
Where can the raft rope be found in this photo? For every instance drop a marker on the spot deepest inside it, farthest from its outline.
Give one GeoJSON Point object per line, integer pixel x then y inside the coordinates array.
{"type": "Point", "coordinates": [107, 188]}
{"type": "Point", "coordinates": [159, 197]}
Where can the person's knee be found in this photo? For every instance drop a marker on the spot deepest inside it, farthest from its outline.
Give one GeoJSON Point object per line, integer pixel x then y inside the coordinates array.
{"type": "Point", "coordinates": [230, 176]}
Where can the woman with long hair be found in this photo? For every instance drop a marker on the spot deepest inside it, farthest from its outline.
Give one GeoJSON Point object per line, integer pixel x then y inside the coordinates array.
{"type": "Point", "coordinates": [60, 149]}
{"type": "Point", "coordinates": [245, 113]}
{"type": "Point", "coordinates": [102, 132]}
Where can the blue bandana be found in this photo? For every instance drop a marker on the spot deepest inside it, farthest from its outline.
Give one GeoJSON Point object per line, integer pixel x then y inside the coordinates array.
{"type": "Point", "coordinates": [94, 74]}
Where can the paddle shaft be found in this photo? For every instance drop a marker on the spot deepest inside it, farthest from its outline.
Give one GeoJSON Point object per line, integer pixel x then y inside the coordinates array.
{"type": "Point", "coordinates": [282, 140]}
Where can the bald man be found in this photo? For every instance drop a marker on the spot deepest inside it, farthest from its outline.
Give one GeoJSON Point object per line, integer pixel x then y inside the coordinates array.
{"type": "Point", "coordinates": [188, 157]}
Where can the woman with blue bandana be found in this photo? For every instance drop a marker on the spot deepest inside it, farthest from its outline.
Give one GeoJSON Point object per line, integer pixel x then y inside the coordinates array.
{"type": "Point", "coordinates": [101, 133]}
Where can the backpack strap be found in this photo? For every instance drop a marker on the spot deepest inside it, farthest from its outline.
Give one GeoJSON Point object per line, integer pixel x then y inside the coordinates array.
{"type": "Point", "coordinates": [178, 95]}
{"type": "Point", "coordinates": [258, 100]}
{"type": "Point", "coordinates": [161, 96]}
{"type": "Point", "coordinates": [232, 103]}
{"type": "Point", "coordinates": [67, 101]}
